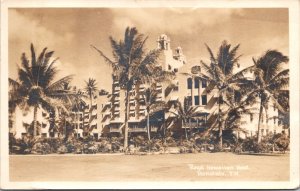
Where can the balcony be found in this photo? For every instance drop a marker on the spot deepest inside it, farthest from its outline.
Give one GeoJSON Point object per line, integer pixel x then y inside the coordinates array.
{"type": "Point", "coordinates": [141, 129]}
{"type": "Point", "coordinates": [116, 102]}
{"type": "Point", "coordinates": [106, 113]}
{"type": "Point", "coordinates": [141, 89]}
{"type": "Point", "coordinates": [158, 88]}
{"type": "Point", "coordinates": [114, 129]}
{"type": "Point", "coordinates": [132, 92]}
{"type": "Point", "coordinates": [159, 99]}
{"type": "Point", "coordinates": [116, 92]}
{"type": "Point", "coordinates": [116, 112]}
{"type": "Point", "coordinates": [143, 112]}
{"type": "Point", "coordinates": [106, 105]}
{"type": "Point", "coordinates": [143, 107]}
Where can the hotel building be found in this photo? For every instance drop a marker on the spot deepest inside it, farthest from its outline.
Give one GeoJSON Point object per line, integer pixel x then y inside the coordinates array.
{"type": "Point", "coordinates": [105, 116]}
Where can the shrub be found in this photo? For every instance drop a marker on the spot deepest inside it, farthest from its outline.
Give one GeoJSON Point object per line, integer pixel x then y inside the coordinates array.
{"type": "Point", "coordinates": [282, 142]}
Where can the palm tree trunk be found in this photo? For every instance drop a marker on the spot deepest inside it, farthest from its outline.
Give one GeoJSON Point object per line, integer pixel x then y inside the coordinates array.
{"type": "Point", "coordinates": [35, 121]}
{"type": "Point", "coordinates": [192, 92]}
{"type": "Point", "coordinates": [259, 120]}
{"type": "Point", "coordinates": [77, 125]}
{"type": "Point", "coordinates": [190, 127]}
{"type": "Point", "coordinates": [126, 120]}
{"type": "Point", "coordinates": [148, 125]}
{"type": "Point", "coordinates": [91, 113]}
{"type": "Point", "coordinates": [65, 128]}
{"type": "Point", "coordinates": [220, 124]}
{"type": "Point", "coordinates": [183, 123]}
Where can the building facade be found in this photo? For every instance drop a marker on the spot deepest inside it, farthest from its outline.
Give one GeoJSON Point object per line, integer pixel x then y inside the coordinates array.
{"type": "Point", "coordinates": [104, 115]}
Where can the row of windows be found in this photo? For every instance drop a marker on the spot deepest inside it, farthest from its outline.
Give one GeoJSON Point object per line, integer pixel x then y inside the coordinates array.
{"type": "Point", "coordinates": [203, 100]}
{"type": "Point", "coordinates": [197, 82]}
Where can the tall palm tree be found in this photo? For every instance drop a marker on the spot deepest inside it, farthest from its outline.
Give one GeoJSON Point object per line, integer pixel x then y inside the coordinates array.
{"type": "Point", "coordinates": [220, 72]}
{"type": "Point", "coordinates": [152, 105]}
{"type": "Point", "coordinates": [184, 113]}
{"type": "Point", "coordinates": [91, 89]}
{"type": "Point", "coordinates": [35, 86]}
{"type": "Point", "coordinates": [132, 64]}
{"type": "Point", "coordinates": [271, 81]}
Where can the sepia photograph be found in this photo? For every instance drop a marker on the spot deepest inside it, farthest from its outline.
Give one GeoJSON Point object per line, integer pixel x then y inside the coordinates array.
{"type": "Point", "coordinates": [142, 94]}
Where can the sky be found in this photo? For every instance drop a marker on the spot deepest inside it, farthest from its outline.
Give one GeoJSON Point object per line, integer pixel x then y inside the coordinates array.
{"type": "Point", "coordinates": [70, 32]}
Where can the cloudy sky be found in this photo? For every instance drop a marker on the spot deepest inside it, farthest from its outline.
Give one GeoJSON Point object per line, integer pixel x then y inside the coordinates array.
{"type": "Point", "coordinates": [70, 32]}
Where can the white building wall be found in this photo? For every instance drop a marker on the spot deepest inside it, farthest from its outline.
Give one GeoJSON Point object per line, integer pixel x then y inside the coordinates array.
{"type": "Point", "coordinates": [23, 118]}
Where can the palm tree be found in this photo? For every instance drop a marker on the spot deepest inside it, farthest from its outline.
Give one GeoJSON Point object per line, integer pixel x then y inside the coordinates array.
{"type": "Point", "coordinates": [132, 65]}
{"type": "Point", "coordinates": [220, 73]}
{"type": "Point", "coordinates": [35, 87]}
{"type": "Point", "coordinates": [271, 81]}
{"type": "Point", "coordinates": [91, 89]}
{"type": "Point", "coordinates": [152, 105]}
{"type": "Point", "coordinates": [237, 104]}
{"type": "Point", "coordinates": [184, 113]}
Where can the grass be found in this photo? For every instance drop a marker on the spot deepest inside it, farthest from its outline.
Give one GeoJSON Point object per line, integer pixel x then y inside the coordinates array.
{"type": "Point", "coordinates": [168, 167]}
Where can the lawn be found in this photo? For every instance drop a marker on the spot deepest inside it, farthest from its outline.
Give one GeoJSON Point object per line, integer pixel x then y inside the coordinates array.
{"type": "Point", "coordinates": [168, 167]}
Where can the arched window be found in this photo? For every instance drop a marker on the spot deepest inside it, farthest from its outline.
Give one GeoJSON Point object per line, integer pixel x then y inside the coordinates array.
{"type": "Point", "coordinates": [189, 83]}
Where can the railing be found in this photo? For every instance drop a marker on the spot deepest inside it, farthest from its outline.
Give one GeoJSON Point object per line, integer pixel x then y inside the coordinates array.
{"type": "Point", "coordinates": [195, 125]}
{"type": "Point", "coordinates": [114, 129]}
{"type": "Point", "coordinates": [141, 129]}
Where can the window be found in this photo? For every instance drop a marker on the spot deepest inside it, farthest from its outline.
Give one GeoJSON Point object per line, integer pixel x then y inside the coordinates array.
{"type": "Point", "coordinates": [51, 134]}
{"type": "Point", "coordinates": [197, 83]}
{"type": "Point", "coordinates": [44, 114]}
{"type": "Point", "coordinates": [44, 135]}
{"type": "Point", "coordinates": [80, 126]}
{"type": "Point", "coordinates": [175, 89]}
{"type": "Point", "coordinates": [84, 134]}
{"type": "Point", "coordinates": [251, 117]}
{"type": "Point", "coordinates": [189, 83]}
{"type": "Point", "coordinates": [44, 125]}
{"type": "Point", "coordinates": [169, 67]}
{"type": "Point", "coordinates": [204, 99]}
{"type": "Point", "coordinates": [188, 100]}
{"type": "Point", "coordinates": [96, 135]}
{"type": "Point", "coordinates": [196, 100]}
{"type": "Point", "coordinates": [204, 84]}
{"type": "Point", "coordinates": [175, 70]}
